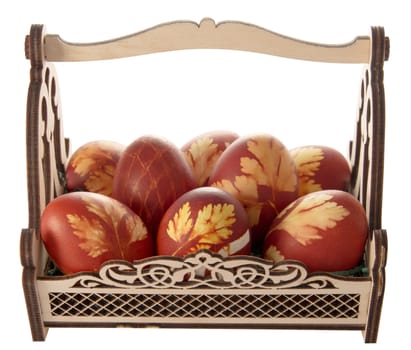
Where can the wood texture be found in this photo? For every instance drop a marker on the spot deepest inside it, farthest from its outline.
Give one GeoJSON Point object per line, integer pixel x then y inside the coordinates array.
{"type": "Point", "coordinates": [47, 151]}
{"type": "Point", "coordinates": [172, 292]}
{"type": "Point", "coordinates": [207, 35]}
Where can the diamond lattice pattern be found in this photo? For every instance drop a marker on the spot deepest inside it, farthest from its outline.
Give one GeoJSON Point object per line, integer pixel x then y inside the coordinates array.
{"type": "Point", "coordinates": [205, 305]}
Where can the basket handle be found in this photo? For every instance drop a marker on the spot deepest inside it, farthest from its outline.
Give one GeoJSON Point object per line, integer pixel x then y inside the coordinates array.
{"type": "Point", "coordinates": [182, 35]}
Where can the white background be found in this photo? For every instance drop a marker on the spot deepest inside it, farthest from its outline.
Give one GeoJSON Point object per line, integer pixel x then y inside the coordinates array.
{"type": "Point", "coordinates": [179, 95]}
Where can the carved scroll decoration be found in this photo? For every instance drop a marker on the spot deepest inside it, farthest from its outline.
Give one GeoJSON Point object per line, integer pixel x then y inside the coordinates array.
{"type": "Point", "coordinates": [47, 150]}
{"type": "Point", "coordinates": [202, 270]}
{"type": "Point", "coordinates": [367, 148]}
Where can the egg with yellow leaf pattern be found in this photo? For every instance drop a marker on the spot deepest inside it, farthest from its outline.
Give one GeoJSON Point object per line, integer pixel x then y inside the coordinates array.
{"type": "Point", "coordinates": [91, 167]}
{"type": "Point", "coordinates": [82, 230]}
{"type": "Point", "coordinates": [203, 151]}
{"type": "Point", "coordinates": [259, 171]}
{"type": "Point", "coordinates": [321, 168]}
{"type": "Point", "coordinates": [326, 230]}
{"type": "Point", "coordinates": [204, 218]}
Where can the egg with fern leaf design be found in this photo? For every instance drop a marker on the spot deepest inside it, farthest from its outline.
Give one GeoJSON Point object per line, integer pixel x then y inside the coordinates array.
{"type": "Point", "coordinates": [82, 230]}
{"type": "Point", "coordinates": [259, 171]}
{"type": "Point", "coordinates": [204, 218]}
{"type": "Point", "coordinates": [91, 167]}
{"type": "Point", "coordinates": [321, 168]}
{"type": "Point", "coordinates": [326, 230]}
{"type": "Point", "coordinates": [203, 151]}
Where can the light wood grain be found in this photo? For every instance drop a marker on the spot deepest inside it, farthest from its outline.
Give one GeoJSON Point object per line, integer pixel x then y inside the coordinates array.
{"type": "Point", "coordinates": [207, 35]}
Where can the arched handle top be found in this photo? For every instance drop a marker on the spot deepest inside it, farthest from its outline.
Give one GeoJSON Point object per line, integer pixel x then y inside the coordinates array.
{"type": "Point", "coordinates": [183, 35]}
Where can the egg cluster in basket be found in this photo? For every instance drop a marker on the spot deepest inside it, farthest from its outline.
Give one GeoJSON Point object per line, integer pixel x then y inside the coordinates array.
{"type": "Point", "coordinates": [230, 194]}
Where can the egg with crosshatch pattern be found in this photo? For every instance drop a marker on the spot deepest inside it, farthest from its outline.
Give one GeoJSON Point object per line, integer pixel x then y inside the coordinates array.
{"type": "Point", "coordinates": [204, 218]}
{"type": "Point", "coordinates": [150, 175]}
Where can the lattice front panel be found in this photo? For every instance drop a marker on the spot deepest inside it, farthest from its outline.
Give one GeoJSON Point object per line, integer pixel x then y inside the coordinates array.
{"type": "Point", "coordinates": [296, 306]}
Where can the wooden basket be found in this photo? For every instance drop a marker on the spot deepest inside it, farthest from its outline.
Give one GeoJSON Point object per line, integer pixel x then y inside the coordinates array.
{"type": "Point", "coordinates": [246, 292]}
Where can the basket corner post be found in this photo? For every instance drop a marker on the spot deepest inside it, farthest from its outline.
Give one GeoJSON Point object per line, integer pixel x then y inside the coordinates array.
{"type": "Point", "coordinates": [28, 255]}
{"type": "Point", "coordinates": [377, 257]}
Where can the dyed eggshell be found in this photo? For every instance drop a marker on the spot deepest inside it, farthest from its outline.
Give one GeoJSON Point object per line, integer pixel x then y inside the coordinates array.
{"type": "Point", "coordinates": [204, 218]}
{"type": "Point", "coordinates": [82, 230]}
{"type": "Point", "coordinates": [150, 175]}
{"type": "Point", "coordinates": [91, 167]}
{"type": "Point", "coordinates": [326, 230]}
{"type": "Point", "coordinates": [321, 168]}
{"type": "Point", "coordinates": [203, 151]}
{"type": "Point", "coordinates": [259, 171]}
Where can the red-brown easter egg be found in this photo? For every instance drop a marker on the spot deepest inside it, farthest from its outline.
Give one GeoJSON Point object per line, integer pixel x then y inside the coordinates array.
{"type": "Point", "coordinates": [82, 230]}
{"type": "Point", "coordinates": [321, 168]}
{"type": "Point", "coordinates": [150, 175]}
{"type": "Point", "coordinates": [204, 218]}
{"type": "Point", "coordinates": [91, 167]}
{"type": "Point", "coordinates": [203, 151]}
{"type": "Point", "coordinates": [326, 230]}
{"type": "Point", "coordinates": [259, 171]}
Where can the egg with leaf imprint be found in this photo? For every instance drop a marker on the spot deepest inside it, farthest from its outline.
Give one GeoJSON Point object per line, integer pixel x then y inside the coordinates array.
{"type": "Point", "coordinates": [82, 230]}
{"type": "Point", "coordinates": [326, 230]}
{"type": "Point", "coordinates": [150, 175]}
{"type": "Point", "coordinates": [259, 171]}
{"type": "Point", "coordinates": [91, 167]}
{"type": "Point", "coordinates": [204, 218]}
{"type": "Point", "coordinates": [321, 168]}
{"type": "Point", "coordinates": [202, 152]}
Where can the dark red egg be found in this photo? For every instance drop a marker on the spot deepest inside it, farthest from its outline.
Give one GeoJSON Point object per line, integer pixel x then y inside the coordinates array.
{"type": "Point", "coordinates": [82, 230]}
{"type": "Point", "coordinates": [150, 175]}
{"type": "Point", "coordinates": [259, 171]}
{"type": "Point", "coordinates": [326, 230]}
{"type": "Point", "coordinates": [204, 218]}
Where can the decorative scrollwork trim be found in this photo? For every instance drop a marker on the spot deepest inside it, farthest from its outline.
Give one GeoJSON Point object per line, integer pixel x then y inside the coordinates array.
{"type": "Point", "coordinates": [201, 270]}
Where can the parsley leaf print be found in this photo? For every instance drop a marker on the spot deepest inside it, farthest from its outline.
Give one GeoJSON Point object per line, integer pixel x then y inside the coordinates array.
{"type": "Point", "coordinates": [313, 214]}
{"type": "Point", "coordinates": [181, 224]}
{"type": "Point", "coordinates": [307, 161]}
{"type": "Point", "coordinates": [90, 232]}
{"type": "Point", "coordinates": [212, 226]}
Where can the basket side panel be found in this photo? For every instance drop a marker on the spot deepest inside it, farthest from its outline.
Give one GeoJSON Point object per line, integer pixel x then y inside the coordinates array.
{"type": "Point", "coordinates": [238, 291]}
{"type": "Point", "coordinates": [367, 148]}
{"type": "Point", "coordinates": [46, 152]}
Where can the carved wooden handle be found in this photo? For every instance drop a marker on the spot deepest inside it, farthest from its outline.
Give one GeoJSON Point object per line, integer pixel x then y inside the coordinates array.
{"type": "Point", "coordinates": [207, 34]}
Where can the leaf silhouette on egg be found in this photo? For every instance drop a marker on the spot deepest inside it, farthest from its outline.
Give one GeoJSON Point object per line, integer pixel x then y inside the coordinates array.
{"type": "Point", "coordinates": [90, 232]}
{"type": "Point", "coordinates": [181, 224]}
{"type": "Point", "coordinates": [314, 214]}
{"type": "Point", "coordinates": [211, 227]}
{"type": "Point", "coordinates": [136, 227]}
{"type": "Point", "coordinates": [114, 215]}
{"type": "Point", "coordinates": [273, 254]}
{"type": "Point", "coordinates": [271, 167]}
{"type": "Point", "coordinates": [90, 162]}
{"type": "Point", "coordinates": [308, 163]}
{"type": "Point", "coordinates": [201, 156]}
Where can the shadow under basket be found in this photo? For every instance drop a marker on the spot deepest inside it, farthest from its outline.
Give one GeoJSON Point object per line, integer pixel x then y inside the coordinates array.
{"type": "Point", "coordinates": [237, 292]}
